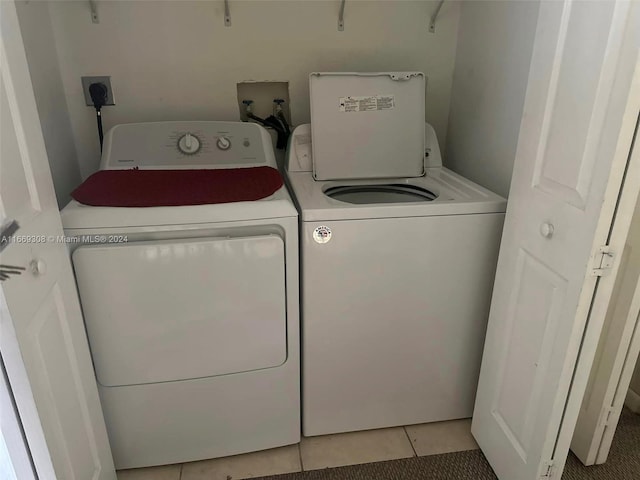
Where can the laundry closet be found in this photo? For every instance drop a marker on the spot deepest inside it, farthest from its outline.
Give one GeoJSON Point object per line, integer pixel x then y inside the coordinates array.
{"type": "Point", "coordinates": [485, 65]}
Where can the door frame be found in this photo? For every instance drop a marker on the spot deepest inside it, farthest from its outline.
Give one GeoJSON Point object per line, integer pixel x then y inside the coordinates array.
{"type": "Point", "coordinates": [618, 347]}
{"type": "Point", "coordinates": [622, 386]}
{"type": "Point", "coordinates": [619, 205]}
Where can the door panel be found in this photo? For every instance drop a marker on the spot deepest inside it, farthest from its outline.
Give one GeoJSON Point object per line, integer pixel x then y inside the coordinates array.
{"type": "Point", "coordinates": [42, 338]}
{"type": "Point", "coordinates": [573, 110]}
{"type": "Point", "coordinates": [533, 317]}
{"type": "Point", "coordinates": [14, 172]}
{"type": "Point", "coordinates": [54, 367]}
{"type": "Point", "coordinates": [574, 141]}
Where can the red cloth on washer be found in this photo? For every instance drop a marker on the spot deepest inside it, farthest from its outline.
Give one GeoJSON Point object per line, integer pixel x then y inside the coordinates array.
{"type": "Point", "coordinates": [157, 188]}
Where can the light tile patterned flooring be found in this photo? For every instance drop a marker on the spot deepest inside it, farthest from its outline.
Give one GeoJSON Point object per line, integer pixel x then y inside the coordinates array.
{"type": "Point", "coordinates": [322, 452]}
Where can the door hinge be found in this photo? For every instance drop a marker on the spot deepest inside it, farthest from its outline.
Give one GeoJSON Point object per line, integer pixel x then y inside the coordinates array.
{"type": "Point", "coordinates": [605, 418]}
{"type": "Point", "coordinates": [547, 470]}
{"type": "Point", "coordinates": [602, 261]}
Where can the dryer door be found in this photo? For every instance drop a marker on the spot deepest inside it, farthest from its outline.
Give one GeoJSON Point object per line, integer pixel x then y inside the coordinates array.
{"type": "Point", "coordinates": [160, 311]}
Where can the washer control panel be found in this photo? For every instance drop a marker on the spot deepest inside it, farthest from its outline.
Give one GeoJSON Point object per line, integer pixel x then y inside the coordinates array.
{"type": "Point", "coordinates": [186, 145]}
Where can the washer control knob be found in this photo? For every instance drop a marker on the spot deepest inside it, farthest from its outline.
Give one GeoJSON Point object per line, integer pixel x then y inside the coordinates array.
{"type": "Point", "coordinates": [189, 144]}
{"type": "Point", "coordinates": [223, 143]}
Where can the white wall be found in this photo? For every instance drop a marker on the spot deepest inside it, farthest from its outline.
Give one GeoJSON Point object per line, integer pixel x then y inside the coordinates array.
{"type": "Point", "coordinates": [495, 42]}
{"type": "Point", "coordinates": [37, 35]}
{"type": "Point", "coordinates": [176, 60]}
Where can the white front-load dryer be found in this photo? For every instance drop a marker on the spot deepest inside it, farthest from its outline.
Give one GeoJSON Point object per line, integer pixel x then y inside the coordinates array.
{"type": "Point", "coordinates": [397, 270]}
{"type": "Point", "coordinates": [191, 310]}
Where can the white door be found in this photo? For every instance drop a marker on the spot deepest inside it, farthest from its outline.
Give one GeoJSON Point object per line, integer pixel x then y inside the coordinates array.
{"type": "Point", "coordinates": [42, 337]}
{"type": "Point", "coordinates": [581, 107]}
{"type": "Point", "coordinates": [15, 460]}
{"type": "Point", "coordinates": [616, 355]}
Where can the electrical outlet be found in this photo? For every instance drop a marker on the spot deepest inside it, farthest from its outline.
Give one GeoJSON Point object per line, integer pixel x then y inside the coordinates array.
{"type": "Point", "coordinates": [86, 83]}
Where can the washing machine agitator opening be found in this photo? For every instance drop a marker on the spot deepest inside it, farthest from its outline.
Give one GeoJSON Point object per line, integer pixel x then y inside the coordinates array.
{"type": "Point", "coordinates": [390, 193]}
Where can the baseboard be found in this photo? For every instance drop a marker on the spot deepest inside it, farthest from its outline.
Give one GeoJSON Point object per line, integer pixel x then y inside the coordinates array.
{"type": "Point", "coordinates": [632, 401]}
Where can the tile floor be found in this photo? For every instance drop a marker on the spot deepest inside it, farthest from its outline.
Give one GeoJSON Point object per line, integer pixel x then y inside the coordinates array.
{"type": "Point", "coordinates": [322, 452]}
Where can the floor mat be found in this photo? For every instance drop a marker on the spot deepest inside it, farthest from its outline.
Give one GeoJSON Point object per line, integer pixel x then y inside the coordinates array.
{"type": "Point", "coordinates": [623, 464]}
{"type": "Point", "coordinates": [624, 458]}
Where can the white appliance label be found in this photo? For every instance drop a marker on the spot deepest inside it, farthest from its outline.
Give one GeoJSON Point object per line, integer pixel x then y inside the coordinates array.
{"type": "Point", "coordinates": [322, 234]}
{"type": "Point", "coordinates": [367, 104]}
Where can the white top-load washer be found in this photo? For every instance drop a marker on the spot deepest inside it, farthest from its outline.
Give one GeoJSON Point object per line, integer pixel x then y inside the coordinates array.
{"type": "Point", "coordinates": [191, 311]}
{"type": "Point", "coordinates": [398, 256]}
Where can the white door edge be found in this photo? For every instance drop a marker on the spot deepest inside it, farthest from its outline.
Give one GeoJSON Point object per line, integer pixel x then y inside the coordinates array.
{"type": "Point", "coordinates": [15, 458]}
{"type": "Point", "coordinates": [601, 413]}
{"type": "Point", "coordinates": [620, 205]}
{"type": "Point", "coordinates": [630, 358]}
{"type": "Point", "coordinates": [614, 360]}
{"type": "Point", "coordinates": [21, 390]}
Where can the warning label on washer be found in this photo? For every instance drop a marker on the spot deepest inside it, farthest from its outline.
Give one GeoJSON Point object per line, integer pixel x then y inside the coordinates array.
{"type": "Point", "coordinates": [367, 104]}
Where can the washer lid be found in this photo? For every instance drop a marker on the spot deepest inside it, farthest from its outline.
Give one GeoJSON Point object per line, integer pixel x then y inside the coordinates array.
{"type": "Point", "coordinates": [367, 125]}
